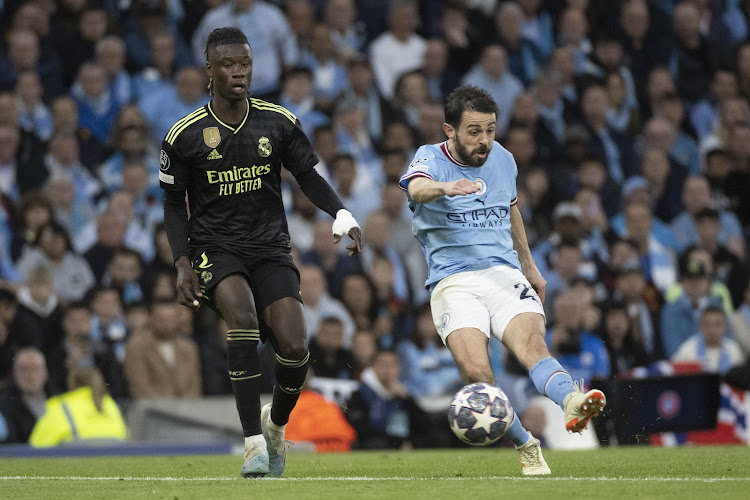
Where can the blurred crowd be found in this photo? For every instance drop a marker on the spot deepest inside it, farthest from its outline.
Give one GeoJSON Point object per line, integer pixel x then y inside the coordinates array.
{"type": "Point", "coordinates": [629, 121]}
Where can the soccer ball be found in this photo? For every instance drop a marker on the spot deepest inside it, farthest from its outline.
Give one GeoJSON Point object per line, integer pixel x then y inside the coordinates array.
{"type": "Point", "coordinates": [480, 414]}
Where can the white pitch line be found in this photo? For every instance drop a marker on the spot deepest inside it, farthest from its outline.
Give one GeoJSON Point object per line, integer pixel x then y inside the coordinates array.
{"type": "Point", "coordinates": [367, 478]}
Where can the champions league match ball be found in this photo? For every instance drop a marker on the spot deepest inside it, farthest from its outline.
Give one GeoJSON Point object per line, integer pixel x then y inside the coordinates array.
{"type": "Point", "coordinates": [480, 414]}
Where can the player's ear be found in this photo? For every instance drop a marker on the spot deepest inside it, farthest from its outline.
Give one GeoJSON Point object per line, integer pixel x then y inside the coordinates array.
{"type": "Point", "coordinates": [449, 130]}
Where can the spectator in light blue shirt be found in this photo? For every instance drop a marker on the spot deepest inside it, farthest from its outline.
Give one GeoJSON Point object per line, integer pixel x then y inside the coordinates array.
{"type": "Point", "coordinates": [491, 74]}
{"type": "Point", "coordinates": [160, 75]}
{"type": "Point", "coordinates": [164, 108]}
{"type": "Point", "coordinates": [581, 353]}
{"type": "Point", "coordinates": [427, 365]}
{"type": "Point", "coordinates": [297, 97]}
{"type": "Point", "coordinates": [271, 39]}
{"type": "Point", "coordinates": [696, 195]}
{"type": "Point", "coordinates": [330, 79]}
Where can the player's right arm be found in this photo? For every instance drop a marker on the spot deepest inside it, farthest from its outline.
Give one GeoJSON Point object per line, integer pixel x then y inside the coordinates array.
{"type": "Point", "coordinates": [174, 178]}
{"type": "Point", "coordinates": [424, 190]}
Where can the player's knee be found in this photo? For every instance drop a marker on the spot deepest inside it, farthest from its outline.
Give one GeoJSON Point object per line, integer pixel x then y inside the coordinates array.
{"type": "Point", "coordinates": [294, 350]}
{"type": "Point", "coordinates": [239, 318]}
{"type": "Point", "coordinates": [475, 373]}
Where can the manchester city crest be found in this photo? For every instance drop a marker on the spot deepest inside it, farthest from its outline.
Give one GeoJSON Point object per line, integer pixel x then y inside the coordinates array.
{"type": "Point", "coordinates": [264, 147]}
{"type": "Point", "coordinates": [481, 185]}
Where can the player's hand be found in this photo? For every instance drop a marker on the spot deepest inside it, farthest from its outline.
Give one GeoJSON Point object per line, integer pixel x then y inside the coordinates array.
{"type": "Point", "coordinates": [345, 223]}
{"type": "Point", "coordinates": [536, 280]}
{"type": "Point", "coordinates": [460, 187]}
{"type": "Point", "coordinates": [355, 234]}
{"type": "Point", "coordinates": [188, 287]}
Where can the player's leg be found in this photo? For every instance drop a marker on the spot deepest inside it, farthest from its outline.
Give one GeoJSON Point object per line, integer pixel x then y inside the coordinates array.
{"type": "Point", "coordinates": [524, 337]}
{"type": "Point", "coordinates": [234, 300]}
{"type": "Point", "coordinates": [463, 322]}
{"type": "Point", "coordinates": [286, 320]}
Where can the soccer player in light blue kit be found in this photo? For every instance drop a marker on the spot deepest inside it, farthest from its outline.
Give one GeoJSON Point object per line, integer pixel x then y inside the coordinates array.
{"type": "Point", "coordinates": [482, 278]}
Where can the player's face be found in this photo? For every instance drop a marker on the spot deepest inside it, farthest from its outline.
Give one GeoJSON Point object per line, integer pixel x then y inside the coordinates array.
{"type": "Point", "coordinates": [474, 137]}
{"type": "Point", "coordinates": [231, 67]}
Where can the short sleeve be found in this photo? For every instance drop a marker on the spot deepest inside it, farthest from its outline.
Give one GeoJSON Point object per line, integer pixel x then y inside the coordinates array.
{"type": "Point", "coordinates": [298, 154]}
{"type": "Point", "coordinates": [512, 177]}
{"type": "Point", "coordinates": [174, 174]}
{"type": "Point", "coordinates": [419, 167]}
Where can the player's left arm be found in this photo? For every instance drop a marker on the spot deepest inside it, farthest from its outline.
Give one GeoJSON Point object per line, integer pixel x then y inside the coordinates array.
{"type": "Point", "coordinates": [298, 157]}
{"type": "Point", "coordinates": [521, 245]}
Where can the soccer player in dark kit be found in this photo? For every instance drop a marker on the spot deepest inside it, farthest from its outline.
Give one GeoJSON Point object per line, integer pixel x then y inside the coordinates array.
{"type": "Point", "coordinates": [233, 252]}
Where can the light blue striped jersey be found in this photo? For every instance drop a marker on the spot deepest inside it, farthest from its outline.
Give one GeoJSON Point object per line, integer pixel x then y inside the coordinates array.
{"type": "Point", "coordinates": [464, 233]}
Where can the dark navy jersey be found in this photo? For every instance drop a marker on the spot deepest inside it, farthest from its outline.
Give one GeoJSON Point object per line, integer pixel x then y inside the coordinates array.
{"type": "Point", "coordinates": [232, 175]}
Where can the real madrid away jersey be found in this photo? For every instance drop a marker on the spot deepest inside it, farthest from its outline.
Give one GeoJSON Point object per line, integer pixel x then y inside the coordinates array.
{"type": "Point", "coordinates": [232, 175]}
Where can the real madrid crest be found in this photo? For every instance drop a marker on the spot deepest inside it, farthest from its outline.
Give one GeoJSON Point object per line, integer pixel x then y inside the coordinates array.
{"type": "Point", "coordinates": [211, 136]}
{"type": "Point", "coordinates": [264, 147]}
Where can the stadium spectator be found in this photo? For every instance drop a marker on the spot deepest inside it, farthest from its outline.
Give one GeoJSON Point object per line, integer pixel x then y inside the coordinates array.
{"type": "Point", "coordinates": [524, 57]}
{"type": "Point", "coordinates": [97, 105]}
{"type": "Point", "coordinates": [65, 120]}
{"type": "Point", "coordinates": [110, 235]}
{"type": "Point", "coordinates": [154, 356]}
{"type": "Point", "coordinates": [24, 400]}
{"type": "Point", "coordinates": [696, 195]}
{"type": "Point", "coordinates": [329, 76]}
{"type": "Point", "coordinates": [693, 59]}
{"type": "Point", "coordinates": [108, 329]}
{"type": "Point", "coordinates": [347, 34]}
{"type": "Point", "coordinates": [428, 366]}
{"type": "Point", "coordinates": [24, 54]}
{"type": "Point", "coordinates": [297, 97]}
{"type": "Point", "coordinates": [164, 107]}
{"type": "Point", "coordinates": [665, 180]}
{"type": "Point", "coordinates": [382, 411]}
{"type": "Point", "coordinates": [710, 346]}
{"type": "Point", "coordinates": [435, 68]}
{"type": "Point", "coordinates": [90, 25]}
{"type": "Point", "coordinates": [354, 186]}
{"type": "Point", "coordinates": [352, 135]}
{"type": "Point", "coordinates": [274, 47]}
{"type": "Point", "coordinates": [411, 94]}
{"type": "Point", "coordinates": [664, 134]}
{"type": "Point", "coordinates": [492, 74]}
{"type": "Point", "coordinates": [624, 351]}
{"type": "Point", "coordinates": [159, 74]}
{"type": "Point", "coordinates": [643, 45]}
{"type": "Point", "coordinates": [364, 347]}
{"type": "Point", "coordinates": [76, 347]}
{"type": "Point", "coordinates": [319, 304]}
{"type": "Point", "coordinates": [398, 49]}
{"type": "Point", "coordinates": [39, 304]}
{"type": "Point", "coordinates": [300, 14]}
{"type": "Point", "coordinates": [328, 357]}
{"type": "Point", "coordinates": [582, 353]}
{"type": "Point", "coordinates": [85, 413]}
{"type": "Point", "coordinates": [148, 19]}
{"type": "Point", "coordinates": [110, 54]}
{"type": "Point", "coordinates": [71, 274]}
{"type": "Point", "coordinates": [658, 261]}
{"type": "Point", "coordinates": [704, 115]}
{"type": "Point", "coordinates": [377, 230]}
{"type": "Point", "coordinates": [124, 273]}
{"type": "Point", "coordinates": [565, 268]}
{"type": "Point", "coordinates": [642, 303]}
{"type": "Point", "coordinates": [358, 296]}
{"type": "Point", "coordinates": [740, 323]}
{"type": "Point", "coordinates": [63, 160]}
{"type": "Point", "coordinates": [33, 114]}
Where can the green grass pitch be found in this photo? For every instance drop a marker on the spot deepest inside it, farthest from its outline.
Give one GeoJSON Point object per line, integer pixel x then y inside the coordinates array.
{"type": "Point", "coordinates": [689, 472]}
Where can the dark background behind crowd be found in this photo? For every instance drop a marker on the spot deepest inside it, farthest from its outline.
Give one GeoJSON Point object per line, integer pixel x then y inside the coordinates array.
{"type": "Point", "coordinates": [629, 121]}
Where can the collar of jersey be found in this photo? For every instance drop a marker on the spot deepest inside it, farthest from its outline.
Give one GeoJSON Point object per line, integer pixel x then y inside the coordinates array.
{"type": "Point", "coordinates": [446, 151]}
{"type": "Point", "coordinates": [234, 130]}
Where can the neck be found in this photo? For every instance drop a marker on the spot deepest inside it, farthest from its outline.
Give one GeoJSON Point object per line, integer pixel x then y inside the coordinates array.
{"type": "Point", "coordinates": [229, 111]}
{"type": "Point", "coordinates": [454, 153]}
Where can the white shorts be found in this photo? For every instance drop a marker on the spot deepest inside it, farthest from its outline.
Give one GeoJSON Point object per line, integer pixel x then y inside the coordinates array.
{"type": "Point", "coordinates": [486, 300]}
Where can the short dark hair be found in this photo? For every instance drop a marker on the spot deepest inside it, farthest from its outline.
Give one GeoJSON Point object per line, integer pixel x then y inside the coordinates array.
{"type": "Point", "coordinates": [224, 36]}
{"type": "Point", "coordinates": [707, 213]}
{"type": "Point", "coordinates": [468, 98]}
{"type": "Point", "coordinates": [713, 309]}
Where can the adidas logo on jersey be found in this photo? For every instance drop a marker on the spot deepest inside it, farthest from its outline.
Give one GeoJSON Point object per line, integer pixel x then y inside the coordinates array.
{"type": "Point", "coordinates": [214, 155]}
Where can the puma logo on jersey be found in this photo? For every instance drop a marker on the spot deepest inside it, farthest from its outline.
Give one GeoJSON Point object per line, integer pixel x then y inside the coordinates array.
{"type": "Point", "coordinates": [214, 155]}
{"type": "Point", "coordinates": [204, 262]}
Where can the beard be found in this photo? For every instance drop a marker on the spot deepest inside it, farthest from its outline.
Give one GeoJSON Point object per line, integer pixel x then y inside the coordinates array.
{"type": "Point", "coordinates": [471, 158]}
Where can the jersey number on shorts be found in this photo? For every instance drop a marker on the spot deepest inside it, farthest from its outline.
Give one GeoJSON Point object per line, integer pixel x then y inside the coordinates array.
{"type": "Point", "coordinates": [525, 292]}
